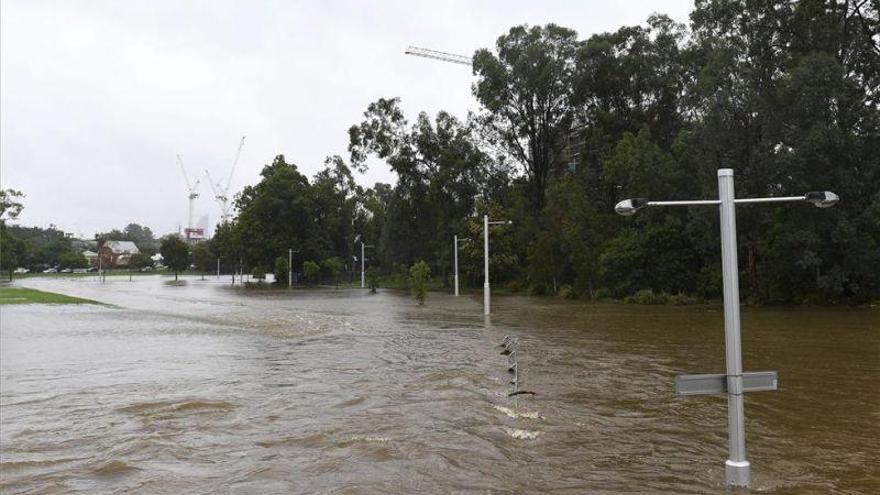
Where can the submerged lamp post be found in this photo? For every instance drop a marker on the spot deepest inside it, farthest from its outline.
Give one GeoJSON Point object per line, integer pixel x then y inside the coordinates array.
{"type": "Point", "coordinates": [734, 382]}
{"type": "Point", "coordinates": [455, 249]}
{"type": "Point", "coordinates": [486, 290]}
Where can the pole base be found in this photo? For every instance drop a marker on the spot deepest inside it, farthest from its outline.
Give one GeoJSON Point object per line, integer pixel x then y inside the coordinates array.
{"type": "Point", "coordinates": [739, 473]}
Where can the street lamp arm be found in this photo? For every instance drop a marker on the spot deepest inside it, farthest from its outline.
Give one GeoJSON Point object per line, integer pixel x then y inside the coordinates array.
{"type": "Point", "coordinates": [784, 199]}
{"type": "Point", "coordinates": [695, 202]}
{"type": "Point", "coordinates": [820, 199]}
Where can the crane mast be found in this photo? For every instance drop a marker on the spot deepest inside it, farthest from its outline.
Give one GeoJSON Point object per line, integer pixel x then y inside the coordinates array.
{"type": "Point", "coordinates": [191, 190]}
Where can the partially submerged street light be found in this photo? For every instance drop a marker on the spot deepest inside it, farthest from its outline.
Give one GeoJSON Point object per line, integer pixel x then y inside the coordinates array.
{"type": "Point", "coordinates": [486, 290]}
{"type": "Point", "coordinates": [734, 382]}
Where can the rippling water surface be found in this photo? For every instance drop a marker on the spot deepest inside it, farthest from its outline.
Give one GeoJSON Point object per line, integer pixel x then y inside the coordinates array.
{"type": "Point", "coordinates": [202, 388]}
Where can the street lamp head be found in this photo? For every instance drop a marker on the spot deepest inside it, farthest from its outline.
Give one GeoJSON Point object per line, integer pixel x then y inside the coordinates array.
{"type": "Point", "coordinates": [510, 222]}
{"type": "Point", "coordinates": [822, 199]}
{"type": "Point", "coordinates": [629, 207]}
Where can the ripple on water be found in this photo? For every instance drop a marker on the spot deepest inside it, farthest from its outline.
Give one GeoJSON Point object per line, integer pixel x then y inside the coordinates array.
{"type": "Point", "coordinates": [113, 468]}
{"type": "Point", "coordinates": [149, 408]}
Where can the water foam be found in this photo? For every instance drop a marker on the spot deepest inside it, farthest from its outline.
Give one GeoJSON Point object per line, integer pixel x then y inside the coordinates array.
{"type": "Point", "coordinates": [522, 434]}
{"type": "Point", "coordinates": [518, 414]}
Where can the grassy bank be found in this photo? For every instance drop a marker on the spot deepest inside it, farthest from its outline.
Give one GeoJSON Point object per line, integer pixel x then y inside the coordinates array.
{"type": "Point", "coordinates": [19, 295]}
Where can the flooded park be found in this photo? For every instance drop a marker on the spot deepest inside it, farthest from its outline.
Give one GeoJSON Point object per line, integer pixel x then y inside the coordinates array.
{"type": "Point", "coordinates": [204, 387]}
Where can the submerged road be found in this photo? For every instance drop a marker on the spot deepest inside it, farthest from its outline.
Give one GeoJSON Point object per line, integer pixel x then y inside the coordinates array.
{"type": "Point", "coordinates": [205, 388]}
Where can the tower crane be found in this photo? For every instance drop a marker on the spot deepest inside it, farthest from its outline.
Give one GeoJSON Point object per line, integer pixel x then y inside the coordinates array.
{"type": "Point", "coordinates": [193, 193]}
{"type": "Point", "coordinates": [221, 192]}
{"type": "Point", "coordinates": [438, 55]}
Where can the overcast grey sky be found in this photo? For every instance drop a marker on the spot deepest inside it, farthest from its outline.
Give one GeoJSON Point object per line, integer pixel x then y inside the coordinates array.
{"type": "Point", "coordinates": [97, 97]}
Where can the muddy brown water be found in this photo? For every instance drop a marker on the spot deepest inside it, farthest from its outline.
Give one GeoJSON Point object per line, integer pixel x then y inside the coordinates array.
{"type": "Point", "coordinates": [201, 388]}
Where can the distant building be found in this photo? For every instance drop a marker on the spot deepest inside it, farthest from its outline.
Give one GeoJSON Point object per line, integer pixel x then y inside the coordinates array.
{"type": "Point", "coordinates": [117, 253]}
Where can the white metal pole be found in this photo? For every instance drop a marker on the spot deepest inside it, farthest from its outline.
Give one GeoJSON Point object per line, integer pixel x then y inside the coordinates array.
{"type": "Point", "coordinates": [218, 268]}
{"type": "Point", "coordinates": [486, 296]}
{"type": "Point", "coordinates": [455, 256]}
{"type": "Point", "coordinates": [363, 284]}
{"type": "Point", "coordinates": [290, 267]}
{"type": "Point", "coordinates": [737, 468]}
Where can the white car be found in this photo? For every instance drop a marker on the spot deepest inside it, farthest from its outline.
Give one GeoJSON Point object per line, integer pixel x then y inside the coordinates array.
{"type": "Point", "coordinates": [50, 270]}
{"type": "Point", "coordinates": [20, 271]}
{"type": "Point", "coordinates": [80, 270]}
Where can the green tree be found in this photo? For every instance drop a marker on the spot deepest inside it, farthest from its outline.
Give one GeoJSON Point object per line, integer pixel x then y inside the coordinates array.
{"type": "Point", "coordinates": [527, 90]}
{"type": "Point", "coordinates": [72, 259]}
{"type": "Point", "coordinates": [275, 214]}
{"type": "Point", "coordinates": [440, 168]}
{"type": "Point", "coordinates": [282, 271]}
{"type": "Point", "coordinates": [334, 266]}
{"type": "Point", "coordinates": [10, 204]}
{"type": "Point", "coordinates": [203, 258]}
{"type": "Point", "coordinates": [175, 254]}
{"type": "Point", "coordinates": [13, 251]}
{"type": "Point", "coordinates": [311, 270]}
{"type": "Point", "coordinates": [419, 274]}
{"type": "Point", "coordinates": [141, 260]}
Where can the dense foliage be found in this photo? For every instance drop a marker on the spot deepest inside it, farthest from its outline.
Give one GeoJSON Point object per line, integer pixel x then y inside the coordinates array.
{"type": "Point", "coordinates": [785, 93]}
{"type": "Point", "coordinates": [175, 254]}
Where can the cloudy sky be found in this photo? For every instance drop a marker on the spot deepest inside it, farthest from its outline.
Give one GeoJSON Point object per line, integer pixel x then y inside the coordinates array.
{"type": "Point", "coordinates": [97, 97]}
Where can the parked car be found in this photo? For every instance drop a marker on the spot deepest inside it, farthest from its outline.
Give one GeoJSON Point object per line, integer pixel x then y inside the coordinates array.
{"type": "Point", "coordinates": [20, 271]}
{"type": "Point", "coordinates": [80, 270]}
{"type": "Point", "coordinates": [92, 270]}
{"type": "Point", "coordinates": [50, 270]}
{"type": "Point", "coordinates": [67, 270]}
{"type": "Point", "coordinates": [147, 269]}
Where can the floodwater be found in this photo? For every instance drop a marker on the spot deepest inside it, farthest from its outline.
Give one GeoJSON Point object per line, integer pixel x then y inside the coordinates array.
{"type": "Point", "coordinates": [205, 388]}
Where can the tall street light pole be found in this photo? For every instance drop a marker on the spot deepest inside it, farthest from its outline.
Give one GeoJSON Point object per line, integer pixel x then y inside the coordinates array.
{"type": "Point", "coordinates": [363, 271]}
{"type": "Point", "coordinates": [734, 383]}
{"type": "Point", "coordinates": [486, 290]}
{"type": "Point", "coordinates": [455, 249]}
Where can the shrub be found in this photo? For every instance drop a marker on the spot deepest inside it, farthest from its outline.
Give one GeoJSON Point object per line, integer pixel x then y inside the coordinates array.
{"type": "Point", "coordinates": [259, 274]}
{"type": "Point", "coordinates": [602, 293]}
{"type": "Point", "coordinates": [334, 266]}
{"type": "Point", "coordinates": [648, 296]}
{"type": "Point", "coordinates": [282, 270]}
{"type": "Point", "coordinates": [418, 275]}
{"type": "Point", "coordinates": [566, 292]}
{"type": "Point", "coordinates": [372, 278]}
{"type": "Point", "coordinates": [311, 270]}
{"type": "Point", "coordinates": [538, 290]}
{"type": "Point", "coordinates": [514, 286]}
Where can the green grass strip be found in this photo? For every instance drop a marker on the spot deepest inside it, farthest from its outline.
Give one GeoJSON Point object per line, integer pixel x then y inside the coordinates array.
{"type": "Point", "coordinates": [19, 295]}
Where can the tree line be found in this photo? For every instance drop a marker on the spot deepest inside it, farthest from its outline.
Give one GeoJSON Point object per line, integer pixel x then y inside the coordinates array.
{"type": "Point", "coordinates": [785, 93]}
